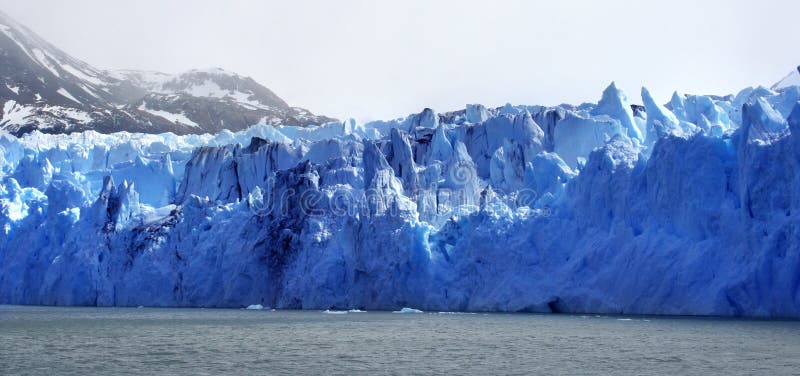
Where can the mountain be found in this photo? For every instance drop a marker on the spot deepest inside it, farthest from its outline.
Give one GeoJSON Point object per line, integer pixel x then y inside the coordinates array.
{"type": "Point", "coordinates": [688, 208]}
{"type": "Point", "coordinates": [43, 88]}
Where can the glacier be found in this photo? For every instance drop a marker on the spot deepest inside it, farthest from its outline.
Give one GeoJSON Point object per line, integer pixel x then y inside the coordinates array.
{"type": "Point", "coordinates": [690, 207]}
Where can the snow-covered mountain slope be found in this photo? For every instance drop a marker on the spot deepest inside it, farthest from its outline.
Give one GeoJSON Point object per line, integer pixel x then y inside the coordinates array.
{"type": "Point", "coordinates": [215, 99]}
{"type": "Point", "coordinates": [686, 208]}
{"type": "Point", "coordinates": [43, 88]}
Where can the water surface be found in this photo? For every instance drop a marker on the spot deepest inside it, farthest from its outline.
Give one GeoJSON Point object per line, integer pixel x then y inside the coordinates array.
{"type": "Point", "coordinates": [79, 341]}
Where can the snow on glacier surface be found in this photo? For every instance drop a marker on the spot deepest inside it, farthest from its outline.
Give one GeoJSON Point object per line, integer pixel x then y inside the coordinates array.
{"type": "Point", "coordinates": [688, 207]}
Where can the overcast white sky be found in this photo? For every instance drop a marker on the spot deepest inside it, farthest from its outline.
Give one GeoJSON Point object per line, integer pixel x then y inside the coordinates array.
{"type": "Point", "coordinates": [383, 59]}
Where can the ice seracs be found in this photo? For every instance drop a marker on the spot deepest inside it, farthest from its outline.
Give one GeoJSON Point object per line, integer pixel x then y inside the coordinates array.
{"type": "Point", "coordinates": [688, 207]}
{"type": "Point", "coordinates": [761, 123]}
{"type": "Point", "coordinates": [791, 80]}
{"type": "Point", "coordinates": [477, 113]}
{"type": "Point", "coordinates": [615, 104]}
{"type": "Point", "coordinates": [661, 122]}
{"type": "Point", "coordinates": [578, 134]}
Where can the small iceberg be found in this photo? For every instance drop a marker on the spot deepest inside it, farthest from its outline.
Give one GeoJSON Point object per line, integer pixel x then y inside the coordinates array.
{"type": "Point", "coordinates": [356, 311]}
{"type": "Point", "coordinates": [408, 310]}
{"type": "Point", "coordinates": [333, 312]}
{"type": "Point", "coordinates": [255, 307]}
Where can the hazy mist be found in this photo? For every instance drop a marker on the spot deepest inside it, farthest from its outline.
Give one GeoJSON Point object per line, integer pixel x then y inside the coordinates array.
{"type": "Point", "coordinates": [383, 59]}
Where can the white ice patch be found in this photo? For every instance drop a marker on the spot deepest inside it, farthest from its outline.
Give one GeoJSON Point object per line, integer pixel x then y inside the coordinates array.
{"type": "Point", "coordinates": [408, 310]}
{"type": "Point", "coordinates": [210, 89]}
{"type": "Point", "coordinates": [67, 95]}
{"type": "Point", "coordinates": [43, 60]}
{"type": "Point", "coordinates": [174, 118]}
{"type": "Point", "coordinates": [207, 89]}
{"type": "Point", "coordinates": [15, 114]}
{"type": "Point", "coordinates": [82, 75]}
{"type": "Point", "coordinates": [72, 214]}
{"type": "Point", "coordinates": [92, 93]}
{"type": "Point", "coordinates": [73, 114]}
{"type": "Point", "coordinates": [15, 89]}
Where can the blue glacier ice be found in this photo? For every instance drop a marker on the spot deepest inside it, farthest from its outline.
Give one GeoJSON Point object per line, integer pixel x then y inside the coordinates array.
{"type": "Point", "coordinates": [690, 207]}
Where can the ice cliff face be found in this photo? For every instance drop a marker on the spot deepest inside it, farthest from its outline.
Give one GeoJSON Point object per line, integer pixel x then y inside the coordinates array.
{"type": "Point", "coordinates": [685, 208]}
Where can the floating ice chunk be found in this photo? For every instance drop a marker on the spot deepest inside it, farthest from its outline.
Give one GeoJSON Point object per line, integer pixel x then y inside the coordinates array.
{"type": "Point", "coordinates": [255, 307]}
{"type": "Point", "coordinates": [408, 310]}
{"type": "Point", "coordinates": [334, 312]}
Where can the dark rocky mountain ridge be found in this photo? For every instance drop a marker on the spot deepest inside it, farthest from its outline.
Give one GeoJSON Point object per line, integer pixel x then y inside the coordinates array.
{"type": "Point", "coordinates": [44, 88]}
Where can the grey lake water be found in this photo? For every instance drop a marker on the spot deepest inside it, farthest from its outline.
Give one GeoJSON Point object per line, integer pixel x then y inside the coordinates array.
{"type": "Point", "coordinates": [86, 341]}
